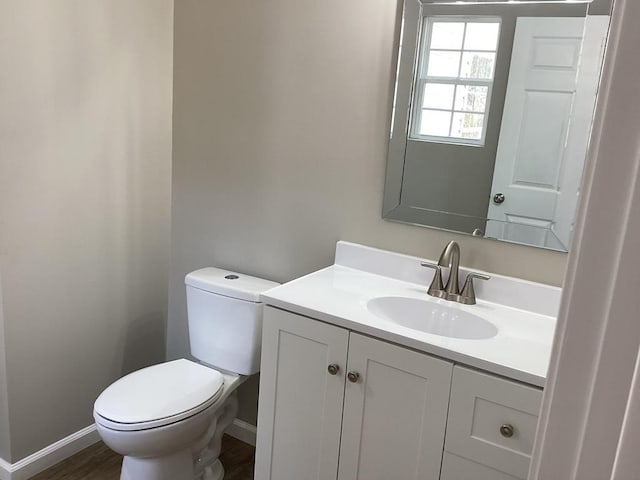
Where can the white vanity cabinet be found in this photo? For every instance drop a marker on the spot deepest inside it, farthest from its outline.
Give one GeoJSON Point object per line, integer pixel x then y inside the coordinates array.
{"type": "Point", "coordinates": [381, 415]}
{"type": "Point", "coordinates": [338, 405]}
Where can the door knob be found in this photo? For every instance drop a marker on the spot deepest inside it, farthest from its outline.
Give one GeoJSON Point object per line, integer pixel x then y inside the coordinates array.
{"type": "Point", "coordinates": [333, 369]}
{"type": "Point", "coordinates": [353, 377]}
{"type": "Point", "coordinates": [507, 430]}
{"type": "Point", "coordinates": [498, 198]}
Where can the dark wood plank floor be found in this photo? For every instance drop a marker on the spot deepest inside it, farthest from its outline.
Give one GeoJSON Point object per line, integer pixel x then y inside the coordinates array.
{"type": "Point", "coordinates": [99, 463]}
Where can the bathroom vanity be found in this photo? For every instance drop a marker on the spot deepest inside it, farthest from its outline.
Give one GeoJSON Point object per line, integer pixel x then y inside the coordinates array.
{"type": "Point", "coordinates": [354, 386]}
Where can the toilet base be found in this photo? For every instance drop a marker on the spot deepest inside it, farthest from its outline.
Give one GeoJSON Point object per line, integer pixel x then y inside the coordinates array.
{"type": "Point", "coordinates": [175, 467]}
{"type": "Point", "coordinates": [178, 466]}
{"type": "Point", "coordinates": [198, 462]}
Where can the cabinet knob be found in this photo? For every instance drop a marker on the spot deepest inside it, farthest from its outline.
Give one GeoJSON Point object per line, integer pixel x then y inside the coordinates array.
{"type": "Point", "coordinates": [333, 369]}
{"type": "Point", "coordinates": [353, 377]}
{"type": "Point", "coordinates": [507, 430]}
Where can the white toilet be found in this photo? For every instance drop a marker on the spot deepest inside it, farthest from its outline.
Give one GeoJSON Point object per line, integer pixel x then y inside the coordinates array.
{"type": "Point", "coordinates": [167, 420]}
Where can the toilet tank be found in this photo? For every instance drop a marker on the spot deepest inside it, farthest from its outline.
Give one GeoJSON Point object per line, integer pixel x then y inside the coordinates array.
{"type": "Point", "coordinates": [225, 318]}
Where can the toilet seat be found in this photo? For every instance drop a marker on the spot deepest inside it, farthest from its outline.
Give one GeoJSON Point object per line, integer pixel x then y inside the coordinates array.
{"type": "Point", "coordinates": [158, 395]}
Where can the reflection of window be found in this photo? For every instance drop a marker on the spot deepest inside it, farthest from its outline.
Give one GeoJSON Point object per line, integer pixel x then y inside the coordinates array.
{"type": "Point", "coordinates": [454, 79]}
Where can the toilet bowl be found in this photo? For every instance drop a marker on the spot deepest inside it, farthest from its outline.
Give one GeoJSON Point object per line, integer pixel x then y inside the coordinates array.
{"type": "Point", "coordinates": [164, 419]}
{"type": "Point", "coordinates": [167, 420]}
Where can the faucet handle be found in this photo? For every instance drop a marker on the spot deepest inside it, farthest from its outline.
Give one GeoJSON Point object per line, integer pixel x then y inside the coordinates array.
{"type": "Point", "coordinates": [468, 295]}
{"type": "Point", "coordinates": [436, 289]}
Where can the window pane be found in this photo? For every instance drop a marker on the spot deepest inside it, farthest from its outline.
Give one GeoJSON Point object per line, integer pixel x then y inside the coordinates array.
{"type": "Point", "coordinates": [438, 95]}
{"type": "Point", "coordinates": [477, 65]}
{"type": "Point", "coordinates": [481, 36]}
{"type": "Point", "coordinates": [471, 98]}
{"type": "Point", "coordinates": [447, 35]}
{"type": "Point", "coordinates": [443, 64]}
{"type": "Point", "coordinates": [467, 125]}
{"type": "Point", "coordinates": [434, 122]}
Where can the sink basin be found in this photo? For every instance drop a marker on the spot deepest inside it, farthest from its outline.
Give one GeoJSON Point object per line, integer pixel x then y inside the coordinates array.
{"type": "Point", "coordinates": [430, 317]}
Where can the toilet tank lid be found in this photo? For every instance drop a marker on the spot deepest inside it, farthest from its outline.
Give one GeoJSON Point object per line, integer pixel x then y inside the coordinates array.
{"type": "Point", "coordinates": [229, 284]}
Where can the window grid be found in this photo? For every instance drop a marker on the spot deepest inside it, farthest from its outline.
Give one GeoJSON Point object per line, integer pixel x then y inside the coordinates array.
{"type": "Point", "coordinates": [423, 78]}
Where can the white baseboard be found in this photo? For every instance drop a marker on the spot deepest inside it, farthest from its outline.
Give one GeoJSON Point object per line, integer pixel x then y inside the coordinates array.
{"type": "Point", "coordinates": [242, 431]}
{"type": "Point", "coordinates": [5, 470]}
{"type": "Point", "coordinates": [49, 456]}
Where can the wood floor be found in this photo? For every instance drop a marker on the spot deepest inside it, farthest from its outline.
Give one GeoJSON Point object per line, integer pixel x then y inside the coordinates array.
{"type": "Point", "coordinates": [99, 463]}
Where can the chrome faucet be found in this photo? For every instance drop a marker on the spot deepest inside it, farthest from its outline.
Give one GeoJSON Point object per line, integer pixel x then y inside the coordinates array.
{"type": "Point", "coordinates": [450, 258]}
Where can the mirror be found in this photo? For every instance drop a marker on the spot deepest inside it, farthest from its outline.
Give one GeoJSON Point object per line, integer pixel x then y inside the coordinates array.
{"type": "Point", "coordinates": [492, 115]}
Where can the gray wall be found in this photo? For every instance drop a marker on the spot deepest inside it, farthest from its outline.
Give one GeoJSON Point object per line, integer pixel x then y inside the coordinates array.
{"type": "Point", "coordinates": [281, 121]}
{"type": "Point", "coordinates": [85, 135]}
{"type": "Point", "coordinates": [600, 7]}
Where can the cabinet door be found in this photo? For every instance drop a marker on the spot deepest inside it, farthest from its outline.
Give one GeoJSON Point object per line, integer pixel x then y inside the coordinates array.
{"type": "Point", "coordinates": [394, 414]}
{"type": "Point", "coordinates": [300, 405]}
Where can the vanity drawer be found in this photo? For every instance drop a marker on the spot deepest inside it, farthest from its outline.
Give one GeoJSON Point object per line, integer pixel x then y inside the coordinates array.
{"type": "Point", "coordinates": [492, 421]}
{"type": "Point", "coordinates": [458, 468]}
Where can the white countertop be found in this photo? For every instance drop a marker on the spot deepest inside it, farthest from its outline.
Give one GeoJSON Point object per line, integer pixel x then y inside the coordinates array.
{"type": "Point", "coordinates": [338, 295]}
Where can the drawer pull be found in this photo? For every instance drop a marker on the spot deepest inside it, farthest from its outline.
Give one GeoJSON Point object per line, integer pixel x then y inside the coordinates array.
{"type": "Point", "coordinates": [333, 369]}
{"type": "Point", "coordinates": [353, 377]}
{"type": "Point", "coordinates": [507, 430]}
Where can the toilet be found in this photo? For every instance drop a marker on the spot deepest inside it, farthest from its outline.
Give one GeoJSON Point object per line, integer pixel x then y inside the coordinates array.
{"type": "Point", "coordinates": [167, 420]}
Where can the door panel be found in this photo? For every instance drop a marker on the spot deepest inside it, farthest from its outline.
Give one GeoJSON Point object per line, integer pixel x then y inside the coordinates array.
{"type": "Point", "coordinates": [536, 120]}
{"type": "Point", "coordinates": [545, 118]}
{"type": "Point", "coordinates": [395, 415]}
{"type": "Point", "coordinates": [300, 406]}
